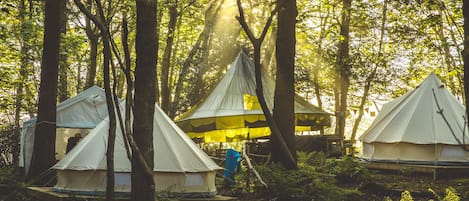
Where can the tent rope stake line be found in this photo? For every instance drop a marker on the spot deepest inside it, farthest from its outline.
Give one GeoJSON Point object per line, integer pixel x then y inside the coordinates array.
{"type": "Point", "coordinates": [440, 111]}
{"type": "Point", "coordinates": [421, 127]}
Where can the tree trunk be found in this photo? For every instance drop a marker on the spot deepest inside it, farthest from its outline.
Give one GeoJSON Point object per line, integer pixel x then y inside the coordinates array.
{"type": "Point", "coordinates": [128, 78]}
{"type": "Point", "coordinates": [166, 62]}
{"type": "Point", "coordinates": [317, 60]}
{"type": "Point", "coordinates": [143, 186]}
{"type": "Point", "coordinates": [284, 99]}
{"type": "Point", "coordinates": [444, 48]}
{"type": "Point", "coordinates": [210, 14]}
{"type": "Point", "coordinates": [369, 80]}
{"type": "Point", "coordinates": [343, 70]}
{"type": "Point", "coordinates": [25, 48]}
{"type": "Point", "coordinates": [112, 118]}
{"type": "Point", "coordinates": [107, 59]}
{"type": "Point", "coordinates": [269, 49]}
{"type": "Point", "coordinates": [93, 39]}
{"type": "Point", "coordinates": [63, 63]}
{"type": "Point", "coordinates": [459, 91]}
{"type": "Point", "coordinates": [90, 77]}
{"type": "Point", "coordinates": [43, 156]}
{"type": "Point", "coordinates": [466, 54]}
{"type": "Point", "coordinates": [257, 43]}
{"type": "Point", "coordinates": [79, 86]}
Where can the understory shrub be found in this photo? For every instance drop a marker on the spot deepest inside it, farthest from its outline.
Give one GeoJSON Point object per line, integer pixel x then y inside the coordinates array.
{"type": "Point", "coordinates": [346, 169]}
{"type": "Point", "coordinates": [302, 184]}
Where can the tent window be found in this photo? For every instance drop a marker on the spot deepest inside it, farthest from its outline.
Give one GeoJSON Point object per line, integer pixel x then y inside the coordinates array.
{"type": "Point", "coordinates": [194, 180]}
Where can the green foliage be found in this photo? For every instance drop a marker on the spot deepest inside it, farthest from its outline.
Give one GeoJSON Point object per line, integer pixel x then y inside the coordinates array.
{"type": "Point", "coordinates": [450, 194]}
{"type": "Point", "coordinates": [406, 196]}
{"type": "Point", "coordinates": [7, 140]}
{"type": "Point", "coordinates": [302, 184]}
{"type": "Point", "coordinates": [6, 175]}
{"type": "Point", "coordinates": [387, 198]}
{"type": "Point", "coordinates": [317, 159]}
{"type": "Point", "coordinates": [346, 169]}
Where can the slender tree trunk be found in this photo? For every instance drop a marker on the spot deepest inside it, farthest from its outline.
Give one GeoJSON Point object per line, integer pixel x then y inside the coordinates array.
{"type": "Point", "coordinates": [93, 40]}
{"type": "Point", "coordinates": [128, 78]}
{"type": "Point", "coordinates": [316, 68]}
{"type": "Point", "coordinates": [166, 62]}
{"type": "Point", "coordinates": [79, 86]}
{"type": "Point", "coordinates": [25, 48]}
{"type": "Point", "coordinates": [107, 59]}
{"type": "Point", "coordinates": [343, 69]}
{"type": "Point", "coordinates": [146, 46]}
{"type": "Point", "coordinates": [257, 44]}
{"type": "Point", "coordinates": [369, 80]}
{"type": "Point", "coordinates": [112, 119]}
{"type": "Point", "coordinates": [453, 33]}
{"type": "Point", "coordinates": [284, 99]}
{"type": "Point", "coordinates": [210, 15]}
{"type": "Point", "coordinates": [466, 54]}
{"type": "Point", "coordinates": [444, 48]}
{"type": "Point", "coordinates": [91, 76]}
{"type": "Point", "coordinates": [269, 49]}
{"type": "Point", "coordinates": [43, 156]}
{"type": "Point", "coordinates": [63, 63]}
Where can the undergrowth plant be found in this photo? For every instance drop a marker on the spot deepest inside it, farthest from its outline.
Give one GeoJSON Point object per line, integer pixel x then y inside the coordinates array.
{"type": "Point", "coordinates": [302, 184]}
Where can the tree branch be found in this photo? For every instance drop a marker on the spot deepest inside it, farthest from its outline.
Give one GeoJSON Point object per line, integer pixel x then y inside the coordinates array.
{"type": "Point", "coordinates": [103, 28]}
{"type": "Point", "coordinates": [257, 43]}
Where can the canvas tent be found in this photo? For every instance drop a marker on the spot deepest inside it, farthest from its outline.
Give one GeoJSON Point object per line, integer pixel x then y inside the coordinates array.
{"type": "Point", "coordinates": [413, 129]}
{"type": "Point", "coordinates": [232, 112]}
{"type": "Point", "coordinates": [78, 114]}
{"type": "Point", "coordinates": [180, 168]}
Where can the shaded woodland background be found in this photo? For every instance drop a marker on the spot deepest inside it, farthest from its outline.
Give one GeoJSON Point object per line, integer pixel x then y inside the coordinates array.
{"type": "Point", "coordinates": [391, 46]}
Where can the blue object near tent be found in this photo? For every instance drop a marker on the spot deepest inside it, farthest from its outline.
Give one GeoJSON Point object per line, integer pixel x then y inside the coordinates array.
{"type": "Point", "coordinates": [232, 160]}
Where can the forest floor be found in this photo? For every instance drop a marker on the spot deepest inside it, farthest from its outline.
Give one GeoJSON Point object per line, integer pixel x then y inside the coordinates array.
{"type": "Point", "coordinates": [389, 186]}
{"type": "Point", "coordinates": [422, 186]}
{"type": "Point", "coordinates": [376, 186]}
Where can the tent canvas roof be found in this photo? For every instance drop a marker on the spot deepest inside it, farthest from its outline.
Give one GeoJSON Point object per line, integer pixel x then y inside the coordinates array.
{"type": "Point", "coordinates": [235, 96]}
{"type": "Point", "coordinates": [415, 117]}
{"type": "Point", "coordinates": [85, 110]}
{"type": "Point", "coordinates": [174, 150]}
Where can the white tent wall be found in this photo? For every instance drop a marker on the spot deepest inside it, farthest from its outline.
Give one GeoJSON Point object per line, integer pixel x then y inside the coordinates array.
{"type": "Point", "coordinates": [181, 167]}
{"type": "Point", "coordinates": [94, 182]}
{"type": "Point", "coordinates": [62, 135]}
{"type": "Point", "coordinates": [439, 154]}
{"type": "Point", "coordinates": [78, 114]}
{"type": "Point", "coordinates": [426, 125]}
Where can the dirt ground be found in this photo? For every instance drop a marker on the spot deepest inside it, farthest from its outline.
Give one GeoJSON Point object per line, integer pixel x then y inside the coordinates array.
{"type": "Point", "coordinates": [420, 185]}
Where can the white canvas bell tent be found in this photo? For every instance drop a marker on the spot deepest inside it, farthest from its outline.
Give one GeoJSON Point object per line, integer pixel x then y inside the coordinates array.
{"type": "Point", "coordinates": [424, 126]}
{"type": "Point", "coordinates": [231, 112]}
{"type": "Point", "coordinates": [180, 168]}
{"type": "Point", "coordinates": [78, 114]}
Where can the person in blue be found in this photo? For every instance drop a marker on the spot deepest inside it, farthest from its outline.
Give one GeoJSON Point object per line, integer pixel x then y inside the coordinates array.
{"type": "Point", "coordinates": [232, 165]}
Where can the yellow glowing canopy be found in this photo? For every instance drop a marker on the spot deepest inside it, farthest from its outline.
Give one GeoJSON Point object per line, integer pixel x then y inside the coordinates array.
{"type": "Point", "coordinates": [231, 112]}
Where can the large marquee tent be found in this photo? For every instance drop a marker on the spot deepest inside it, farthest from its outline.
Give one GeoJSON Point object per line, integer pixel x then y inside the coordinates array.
{"type": "Point", "coordinates": [231, 112]}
